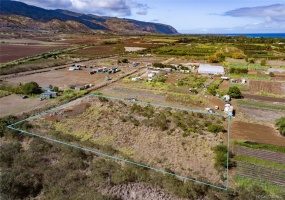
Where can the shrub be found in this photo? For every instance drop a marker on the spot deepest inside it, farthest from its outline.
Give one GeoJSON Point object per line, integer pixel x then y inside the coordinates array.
{"type": "Point", "coordinates": [214, 128]}
{"type": "Point", "coordinates": [263, 62]}
{"type": "Point", "coordinates": [238, 55]}
{"type": "Point", "coordinates": [31, 88]}
{"type": "Point", "coordinates": [280, 123]}
{"type": "Point", "coordinates": [221, 157]}
{"type": "Point", "coordinates": [234, 92]}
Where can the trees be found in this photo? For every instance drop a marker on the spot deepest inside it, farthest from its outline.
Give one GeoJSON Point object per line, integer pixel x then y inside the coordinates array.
{"type": "Point", "coordinates": [219, 56]}
{"type": "Point", "coordinates": [263, 62]}
{"type": "Point", "coordinates": [238, 55]}
{"type": "Point", "coordinates": [280, 123]}
{"type": "Point", "coordinates": [234, 92]}
{"type": "Point", "coordinates": [30, 88]}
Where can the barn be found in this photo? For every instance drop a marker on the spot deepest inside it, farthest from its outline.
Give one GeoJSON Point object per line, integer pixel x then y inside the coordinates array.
{"type": "Point", "coordinates": [210, 69]}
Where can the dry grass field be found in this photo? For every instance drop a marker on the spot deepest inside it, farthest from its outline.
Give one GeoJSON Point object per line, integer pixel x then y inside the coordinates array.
{"type": "Point", "coordinates": [164, 138]}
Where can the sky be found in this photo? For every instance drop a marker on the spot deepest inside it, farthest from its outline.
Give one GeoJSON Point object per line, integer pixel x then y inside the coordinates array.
{"type": "Point", "coordinates": [186, 16]}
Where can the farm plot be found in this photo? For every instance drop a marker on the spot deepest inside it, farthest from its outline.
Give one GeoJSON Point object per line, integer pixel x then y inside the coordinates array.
{"type": "Point", "coordinates": [262, 173]}
{"type": "Point", "coordinates": [260, 114]}
{"type": "Point", "coordinates": [257, 133]}
{"type": "Point", "coordinates": [177, 141]}
{"type": "Point", "coordinates": [96, 50]}
{"type": "Point", "coordinates": [13, 52]}
{"type": "Point", "coordinates": [275, 87]}
{"type": "Point", "coordinates": [262, 154]}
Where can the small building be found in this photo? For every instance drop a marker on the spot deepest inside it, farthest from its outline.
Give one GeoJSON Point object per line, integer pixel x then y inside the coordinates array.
{"type": "Point", "coordinates": [48, 95]}
{"type": "Point", "coordinates": [79, 87]}
{"type": "Point", "coordinates": [150, 75]}
{"type": "Point", "coordinates": [168, 69]}
{"type": "Point", "coordinates": [210, 69]}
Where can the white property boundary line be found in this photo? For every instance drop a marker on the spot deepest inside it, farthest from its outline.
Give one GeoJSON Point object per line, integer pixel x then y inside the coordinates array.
{"type": "Point", "coordinates": [120, 159]}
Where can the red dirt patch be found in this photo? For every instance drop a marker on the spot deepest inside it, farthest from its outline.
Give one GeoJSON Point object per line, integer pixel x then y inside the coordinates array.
{"type": "Point", "coordinates": [224, 85]}
{"type": "Point", "coordinates": [257, 133]}
{"type": "Point", "coordinates": [14, 52]}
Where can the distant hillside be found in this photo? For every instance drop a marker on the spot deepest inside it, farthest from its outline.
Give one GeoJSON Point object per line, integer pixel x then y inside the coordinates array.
{"type": "Point", "coordinates": [18, 15]}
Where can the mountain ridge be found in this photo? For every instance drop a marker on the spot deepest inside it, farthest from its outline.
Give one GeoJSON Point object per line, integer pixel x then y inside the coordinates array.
{"type": "Point", "coordinates": [40, 18]}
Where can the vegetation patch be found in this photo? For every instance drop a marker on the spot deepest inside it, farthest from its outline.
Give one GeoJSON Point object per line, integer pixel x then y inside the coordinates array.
{"type": "Point", "coordinates": [264, 185]}
{"type": "Point", "coordinates": [257, 161]}
{"type": "Point", "coordinates": [135, 132]}
{"type": "Point", "coordinates": [260, 105]}
{"type": "Point", "coordinates": [255, 145]}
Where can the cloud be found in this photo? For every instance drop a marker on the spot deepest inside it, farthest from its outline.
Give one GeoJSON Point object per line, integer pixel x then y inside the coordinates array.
{"type": "Point", "coordinates": [272, 12]}
{"type": "Point", "coordinates": [271, 18]}
{"type": "Point", "coordinates": [99, 7]}
{"type": "Point", "coordinates": [155, 20]}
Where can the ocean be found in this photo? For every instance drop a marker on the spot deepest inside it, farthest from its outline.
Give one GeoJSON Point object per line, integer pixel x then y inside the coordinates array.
{"type": "Point", "coordinates": [258, 35]}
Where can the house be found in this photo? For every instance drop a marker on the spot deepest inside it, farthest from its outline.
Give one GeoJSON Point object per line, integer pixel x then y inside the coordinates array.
{"type": "Point", "coordinates": [210, 69]}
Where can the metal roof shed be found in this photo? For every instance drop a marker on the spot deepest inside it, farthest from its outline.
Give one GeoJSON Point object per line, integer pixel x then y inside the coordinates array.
{"type": "Point", "coordinates": [210, 69]}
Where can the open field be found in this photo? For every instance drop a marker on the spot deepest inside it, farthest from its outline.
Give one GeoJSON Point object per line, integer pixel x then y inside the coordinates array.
{"type": "Point", "coordinates": [13, 52]}
{"type": "Point", "coordinates": [153, 136]}
{"type": "Point", "coordinates": [14, 105]}
{"type": "Point", "coordinates": [64, 78]}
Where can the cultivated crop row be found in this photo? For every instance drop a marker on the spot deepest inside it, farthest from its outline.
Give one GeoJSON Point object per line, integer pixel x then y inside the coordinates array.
{"type": "Point", "coordinates": [261, 173]}
{"type": "Point", "coordinates": [260, 154]}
